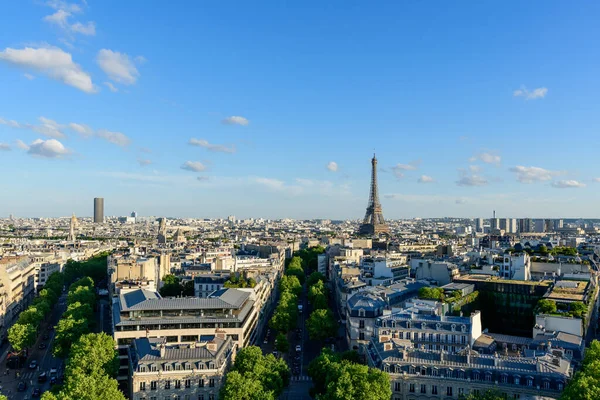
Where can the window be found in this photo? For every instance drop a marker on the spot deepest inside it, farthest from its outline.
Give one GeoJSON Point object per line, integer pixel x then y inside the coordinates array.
{"type": "Point", "coordinates": [177, 384]}
{"type": "Point", "coordinates": [153, 398]}
{"type": "Point", "coordinates": [423, 389]}
{"type": "Point", "coordinates": [211, 397]}
{"type": "Point", "coordinates": [186, 397]}
{"type": "Point", "coordinates": [397, 386]}
{"type": "Point", "coordinates": [153, 368]}
{"type": "Point", "coordinates": [463, 340]}
{"type": "Point", "coordinates": [431, 337]}
{"type": "Point", "coordinates": [177, 397]}
{"type": "Point", "coordinates": [361, 336]}
{"type": "Point", "coordinates": [434, 372]}
{"type": "Point", "coordinates": [546, 385]}
{"type": "Point", "coordinates": [153, 385]}
{"type": "Point", "coordinates": [211, 382]}
{"type": "Point", "coordinates": [488, 376]}
{"type": "Point", "coordinates": [188, 383]}
{"type": "Point", "coordinates": [401, 335]}
{"type": "Point", "coordinates": [449, 391]}
{"type": "Point", "coordinates": [200, 397]}
{"type": "Point", "coordinates": [461, 391]}
{"type": "Point", "coordinates": [434, 389]}
{"type": "Point", "coordinates": [361, 313]}
{"type": "Point", "coordinates": [517, 380]}
{"type": "Point", "coordinates": [142, 386]}
{"type": "Point", "coordinates": [361, 324]}
{"type": "Point", "coordinates": [201, 382]}
{"type": "Point", "coordinates": [560, 386]}
{"type": "Point", "coordinates": [476, 392]}
{"type": "Point", "coordinates": [167, 384]}
{"type": "Point", "coordinates": [529, 382]}
{"type": "Point", "coordinates": [516, 396]}
{"type": "Point", "coordinates": [503, 378]}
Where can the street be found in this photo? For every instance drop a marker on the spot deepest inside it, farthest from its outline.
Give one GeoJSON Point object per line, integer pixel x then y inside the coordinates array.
{"type": "Point", "coordinates": [44, 358]}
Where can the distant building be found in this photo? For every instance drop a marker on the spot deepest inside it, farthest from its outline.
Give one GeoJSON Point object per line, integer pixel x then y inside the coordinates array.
{"type": "Point", "coordinates": [479, 225]}
{"type": "Point", "coordinates": [206, 284]}
{"type": "Point", "coordinates": [98, 210]}
{"type": "Point", "coordinates": [362, 309]}
{"type": "Point", "coordinates": [525, 225]}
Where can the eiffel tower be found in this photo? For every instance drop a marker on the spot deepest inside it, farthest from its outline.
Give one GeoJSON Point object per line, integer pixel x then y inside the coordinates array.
{"type": "Point", "coordinates": [374, 224]}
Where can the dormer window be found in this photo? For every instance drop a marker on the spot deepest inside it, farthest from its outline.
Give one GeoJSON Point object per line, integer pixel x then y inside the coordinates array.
{"type": "Point", "coordinates": [361, 312]}
{"type": "Point", "coordinates": [453, 327]}
{"type": "Point", "coordinates": [423, 325]}
{"type": "Point", "coordinates": [408, 324]}
{"type": "Point", "coordinates": [438, 326]}
{"type": "Point", "coordinates": [463, 328]}
{"type": "Point", "coordinates": [142, 368]}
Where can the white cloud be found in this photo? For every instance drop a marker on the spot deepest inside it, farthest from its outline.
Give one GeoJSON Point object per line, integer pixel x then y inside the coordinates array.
{"type": "Point", "coordinates": [399, 168]}
{"type": "Point", "coordinates": [274, 184]}
{"type": "Point", "coordinates": [538, 93]}
{"type": "Point", "coordinates": [4, 147]}
{"type": "Point", "coordinates": [11, 123]}
{"type": "Point", "coordinates": [488, 158]}
{"type": "Point", "coordinates": [50, 148]}
{"type": "Point", "coordinates": [332, 166]}
{"type": "Point", "coordinates": [111, 87]}
{"type": "Point", "coordinates": [425, 179]}
{"type": "Point", "coordinates": [29, 76]}
{"type": "Point", "coordinates": [195, 166]}
{"type": "Point", "coordinates": [565, 184]}
{"type": "Point", "coordinates": [88, 29]}
{"type": "Point", "coordinates": [114, 137]}
{"type": "Point", "coordinates": [51, 61]}
{"type": "Point", "coordinates": [211, 147]}
{"type": "Point", "coordinates": [470, 179]}
{"type": "Point", "coordinates": [63, 5]}
{"type": "Point", "coordinates": [59, 18]}
{"type": "Point", "coordinates": [236, 120]}
{"type": "Point", "coordinates": [533, 174]}
{"type": "Point", "coordinates": [596, 180]}
{"type": "Point", "coordinates": [474, 168]}
{"type": "Point", "coordinates": [143, 162]}
{"type": "Point", "coordinates": [82, 129]}
{"type": "Point", "coordinates": [117, 66]}
{"type": "Point", "coordinates": [49, 128]}
{"type": "Point", "coordinates": [21, 145]}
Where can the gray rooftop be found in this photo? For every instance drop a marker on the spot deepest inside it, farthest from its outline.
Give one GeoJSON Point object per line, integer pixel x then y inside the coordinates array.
{"type": "Point", "coordinates": [144, 300]}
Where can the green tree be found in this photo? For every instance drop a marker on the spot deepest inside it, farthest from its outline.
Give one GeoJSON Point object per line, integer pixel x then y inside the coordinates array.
{"type": "Point", "coordinates": [282, 344]}
{"type": "Point", "coordinates": [431, 293]}
{"type": "Point", "coordinates": [31, 316]}
{"type": "Point", "coordinates": [21, 336]}
{"type": "Point", "coordinates": [577, 308]}
{"type": "Point", "coordinates": [170, 279]}
{"type": "Point", "coordinates": [319, 302]}
{"type": "Point", "coordinates": [238, 386]}
{"type": "Point", "coordinates": [79, 311]}
{"type": "Point", "coordinates": [314, 278]}
{"type": "Point", "coordinates": [543, 250]}
{"type": "Point", "coordinates": [290, 284]}
{"type": "Point", "coordinates": [71, 271]}
{"type": "Point", "coordinates": [48, 295]}
{"type": "Point", "coordinates": [81, 294]}
{"type": "Point", "coordinates": [94, 353]}
{"type": "Point", "coordinates": [546, 306]}
{"type": "Point", "coordinates": [318, 289]}
{"type": "Point", "coordinates": [297, 272]}
{"type": "Point", "coordinates": [68, 331]}
{"type": "Point", "coordinates": [321, 325]}
{"type": "Point", "coordinates": [81, 386]}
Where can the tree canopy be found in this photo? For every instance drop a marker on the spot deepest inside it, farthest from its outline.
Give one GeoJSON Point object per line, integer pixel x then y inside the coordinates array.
{"type": "Point", "coordinates": [336, 377]}
{"type": "Point", "coordinates": [487, 395]}
{"type": "Point", "coordinates": [21, 336]}
{"type": "Point", "coordinates": [290, 284]}
{"type": "Point", "coordinates": [255, 376]}
{"type": "Point", "coordinates": [321, 324]}
{"type": "Point", "coordinates": [431, 293]}
{"type": "Point", "coordinates": [546, 306]}
{"type": "Point", "coordinates": [585, 385]}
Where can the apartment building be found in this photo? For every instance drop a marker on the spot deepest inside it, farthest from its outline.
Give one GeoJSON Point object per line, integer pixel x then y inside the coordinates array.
{"type": "Point", "coordinates": [205, 284]}
{"type": "Point", "coordinates": [124, 268]}
{"type": "Point", "coordinates": [195, 371]}
{"type": "Point", "coordinates": [17, 288]}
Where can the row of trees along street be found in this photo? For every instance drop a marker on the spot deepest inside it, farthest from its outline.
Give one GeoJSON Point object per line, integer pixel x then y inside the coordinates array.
{"type": "Point", "coordinates": [91, 359]}
{"type": "Point", "coordinates": [335, 375]}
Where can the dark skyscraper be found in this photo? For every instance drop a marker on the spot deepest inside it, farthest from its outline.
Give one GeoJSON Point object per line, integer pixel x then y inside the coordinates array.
{"type": "Point", "coordinates": [374, 223]}
{"type": "Point", "coordinates": [98, 210]}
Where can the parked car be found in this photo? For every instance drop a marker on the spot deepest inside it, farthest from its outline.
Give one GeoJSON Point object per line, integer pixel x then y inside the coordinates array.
{"type": "Point", "coordinates": [22, 386]}
{"type": "Point", "coordinates": [43, 377]}
{"type": "Point", "coordinates": [53, 380]}
{"type": "Point", "coordinates": [33, 364]}
{"type": "Point", "coordinates": [36, 392]}
{"type": "Point", "coordinates": [298, 348]}
{"type": "Point", "coordinates": [52, 371]}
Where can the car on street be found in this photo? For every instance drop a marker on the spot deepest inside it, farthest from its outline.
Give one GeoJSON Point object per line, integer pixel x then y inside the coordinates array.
{"type": "Point", "coordinates": [36, 392]}
{"type": "Point", "coordinates": [33, 364]}
{"type": "Point", "coordinates": [266, 340]}
{"type": "Point", "coordinates": [52, 371]}
{"type": "Point", "coordinates": [53, 380]}
{"type": "Point", "coordinates": [42, 346]}
{"type": "Point", "coordinates": [22, 386]}
{"type": "Point", "coordinates": [298, 348]}
{"type": "Point", "coordinates": [43, 377]}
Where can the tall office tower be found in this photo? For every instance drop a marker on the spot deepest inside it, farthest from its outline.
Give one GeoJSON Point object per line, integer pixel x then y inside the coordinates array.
{"type": "Point", "coordinates": [479, 225]}
{"type": "Point", "coordinates": [133, 214]}
{"type": "Point", "coordinates": [558, 224]}
{"type": "Point", "coordinates": [494, 223]}
{"type": "Point", "coordinates": [512, 225]}
{"type": "Point", "coordinates": [504, 224]}
{"type": "Point", "coordinates": [540, 226]}
{"type": "Point", "coordinates": [98, 210]}
{"type": "Point", "coordinates": [525, 225]}
{"type": "Point", "coordinates": [548, 225]}
{"type": "Point", "coordinates": [374, 223]}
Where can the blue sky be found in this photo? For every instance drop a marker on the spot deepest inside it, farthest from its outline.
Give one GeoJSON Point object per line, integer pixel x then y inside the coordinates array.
{"type": "Point", "coordinates": [470, 107]}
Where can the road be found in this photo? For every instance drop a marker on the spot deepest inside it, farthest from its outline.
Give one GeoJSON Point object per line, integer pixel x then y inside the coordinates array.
{"type": "Point", "coordinates": [44, 357]}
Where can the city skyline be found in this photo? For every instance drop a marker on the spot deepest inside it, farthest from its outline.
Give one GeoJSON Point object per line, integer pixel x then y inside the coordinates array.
{"type": "Point", "coordinates": [251, 112]}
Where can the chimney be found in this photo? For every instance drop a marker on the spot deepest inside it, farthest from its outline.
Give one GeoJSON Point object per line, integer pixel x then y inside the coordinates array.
{"type": "Point", "coordinates": [162, 350]}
